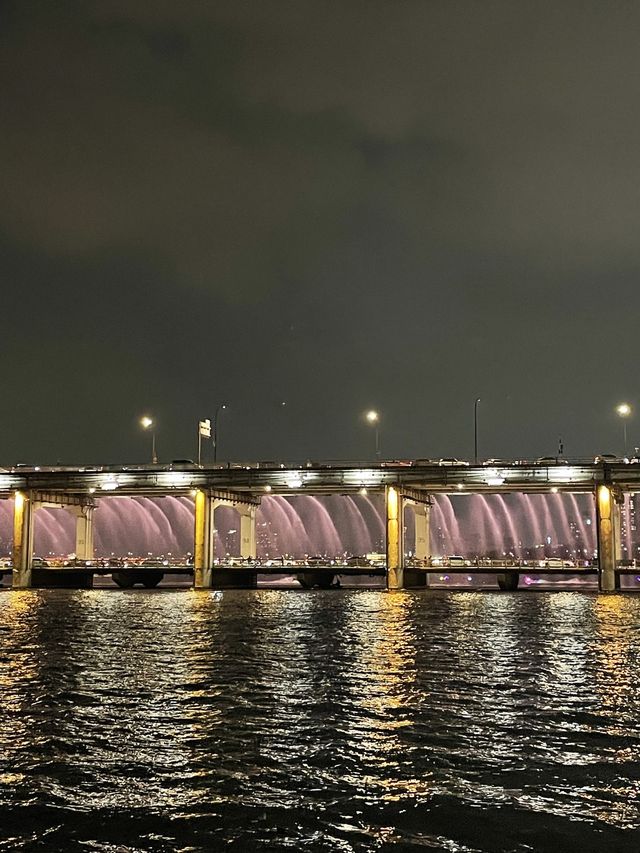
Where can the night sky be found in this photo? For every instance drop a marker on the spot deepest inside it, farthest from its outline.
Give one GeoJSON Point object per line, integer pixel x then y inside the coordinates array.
{"type": "Point", "coordinates": [397, 204]}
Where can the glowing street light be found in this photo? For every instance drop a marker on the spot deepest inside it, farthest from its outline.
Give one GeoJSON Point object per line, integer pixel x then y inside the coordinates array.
{"type": "Point", "coordinates": [147, 423]}
{"type": "Point", "coordinates": [373, 418]}
{"type": "Point", "coordinates": [216, 418]}
{"type": "Point", "coordinates": [475, 430]}
{"type": "Point", "coordinates": [624, 410]}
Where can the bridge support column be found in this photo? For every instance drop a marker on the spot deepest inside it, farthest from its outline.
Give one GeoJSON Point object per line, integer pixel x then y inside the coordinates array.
{"type": "Point", "coordinates": [83, 513]}
{"type": "Point", "coordinates": [206, 574]}
{"type": "Point", "coordinates": [608, 537]}
{"type": "Point", "coordinates": [247, 531]}
{"type": "Point", "coordinates": [84, 530]}
{"type": "Point", "coordinates": [416, 576]}
{"type": "Point", "coordinates": [23, 521]}
{"type": "Point", "coordinates": [204, 540]}
{"type": "Point", "coordinates": [508, 581]}
{"type": "Point", "coordinates": [422, 548]}
{"type": "Point", "coordinates": [25, 506]}
{"type": "Point", "coordinates": [399, 576]}
{"type": "Point", "coordinates": [395, 537]}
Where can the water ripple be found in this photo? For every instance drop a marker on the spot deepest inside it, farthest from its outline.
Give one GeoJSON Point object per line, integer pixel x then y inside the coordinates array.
{"type": "Point", "coordinates": [338, 721]}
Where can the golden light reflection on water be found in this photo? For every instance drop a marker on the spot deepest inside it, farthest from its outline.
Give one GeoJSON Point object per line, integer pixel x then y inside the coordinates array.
{"type": "Point", "coordinates": [343, 709]}
{"type": "Point", "coordinates": [564, 647]}
{"type": "Point", "coordinates": [616, 648]}
{"type": "Point", "coordinates": [388, 656]}
{"type": "Point", "coordinates": [117, 675]}
{"type": "Point", "coordinates": [20, 663]}
{"type": "Point", "coordinates": [382, 631]}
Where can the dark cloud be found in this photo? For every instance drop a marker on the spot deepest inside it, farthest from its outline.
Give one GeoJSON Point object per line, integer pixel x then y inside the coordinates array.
{"type": "Point", "coordinates": [344, 204]}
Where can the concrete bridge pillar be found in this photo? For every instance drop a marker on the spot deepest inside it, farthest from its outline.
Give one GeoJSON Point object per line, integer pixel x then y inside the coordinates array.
{"type": "Point", "coordinates": [24, 512]}
{"type": "Point", "coordinates": [422, 549]}
{"type": "Point", "coordinates": [204, 540]}
{"type": "Point", "coordinates": [206, 574]}
{"type": "Point", "coordinates": [399, 576]}
{"type": "Point", "coordinates": [395, 538]}
{"type": "Point", "coordinates": [247, 530]}
{"type": "Point", "coordinates": [608, 537]}
{"type": "Point", "coordinates": [23, 523]}
{"type": "Point", "coordinates": [84, 530]}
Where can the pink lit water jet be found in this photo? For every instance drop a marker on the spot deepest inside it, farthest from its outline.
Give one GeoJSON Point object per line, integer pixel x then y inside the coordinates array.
{"type": "Point", "coordinates": [472, 525]}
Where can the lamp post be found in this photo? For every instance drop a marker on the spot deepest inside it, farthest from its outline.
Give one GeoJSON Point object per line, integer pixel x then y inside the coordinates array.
{"type": "Point", "coordinates": [475, 430]}
{"type": "Point", "coordinates": [216, 418]}
{"type": "Point", "coordinates": [373, 418]}
{"type": "Point", "coordinates": [148, 423]}
{"type": "Point", "coordinates": [624, 410]}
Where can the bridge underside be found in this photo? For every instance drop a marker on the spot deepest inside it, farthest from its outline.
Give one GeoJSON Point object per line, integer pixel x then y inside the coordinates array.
{"type": "Point", "coordinates": [208, 574]}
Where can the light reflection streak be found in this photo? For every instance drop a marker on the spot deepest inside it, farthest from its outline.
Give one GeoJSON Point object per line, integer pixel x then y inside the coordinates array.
{"type": "Point", "coordinates": [344, 709]}
{"type": "Point", "coordinates": [20, 672]}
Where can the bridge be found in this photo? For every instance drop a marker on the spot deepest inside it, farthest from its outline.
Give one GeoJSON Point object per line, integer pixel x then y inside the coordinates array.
{"type": "Point", "coordinates": [242, 485]}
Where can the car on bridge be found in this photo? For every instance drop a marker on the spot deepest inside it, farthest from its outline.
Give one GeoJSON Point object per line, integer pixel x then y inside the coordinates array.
{"type": "Point", "coordinates": [358, 561]}
{"type": "Point", "coordinates": [449, 460]}
{"type": "Point", "coordinates": [183, 464]}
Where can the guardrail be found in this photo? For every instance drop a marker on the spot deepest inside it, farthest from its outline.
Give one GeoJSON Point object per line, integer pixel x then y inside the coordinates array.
{"type": "Point", "coordinates": [435, 565]}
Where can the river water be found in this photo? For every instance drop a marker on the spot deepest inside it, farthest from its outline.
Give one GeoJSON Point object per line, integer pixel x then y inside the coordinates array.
{"type": "Point", "coordinates": [345, 720]}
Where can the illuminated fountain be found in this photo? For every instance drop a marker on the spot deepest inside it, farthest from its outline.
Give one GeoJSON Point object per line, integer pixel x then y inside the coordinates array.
{"type": "Point", "coordinates": [299, 525]}
{"type": "Point", "coordinates": [519, 525]}
{"type": "Point", "coordinates": [516, 525]}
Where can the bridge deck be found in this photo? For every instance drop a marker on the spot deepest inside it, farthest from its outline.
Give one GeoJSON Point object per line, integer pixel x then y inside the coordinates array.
{"type": "Point", "coordinates": [255, 479]}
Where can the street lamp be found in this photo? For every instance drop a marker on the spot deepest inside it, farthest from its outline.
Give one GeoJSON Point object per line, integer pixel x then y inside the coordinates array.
{"type": "Point", "coordinates": [475, 430]}
{"type": "Point", "coordinates": [373, 418]}
{"type": "Point", "coordinates": [219, 409]}
{"type": "Point", "coordinates": [624, 410]}
{"type": "Point", "coordinates": [147, 423]}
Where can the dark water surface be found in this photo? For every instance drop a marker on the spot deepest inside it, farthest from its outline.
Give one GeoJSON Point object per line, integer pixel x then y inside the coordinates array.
{"type": "Point", "coordinates": [329, 721]}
